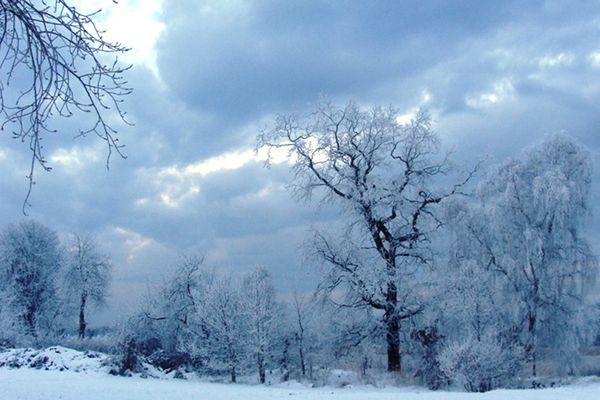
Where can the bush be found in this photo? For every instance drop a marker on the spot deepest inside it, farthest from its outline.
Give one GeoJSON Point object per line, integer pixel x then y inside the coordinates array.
{"type": "Point", "coordinates": [170, 361]}
{"type": "Point", "coordinates": [480, 365]}
{"type": "Point", "coordinates": [129, 357]}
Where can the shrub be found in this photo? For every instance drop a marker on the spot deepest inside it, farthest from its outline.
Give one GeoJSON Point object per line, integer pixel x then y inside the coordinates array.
{"type": "Point", "coordinates": [480, 364]}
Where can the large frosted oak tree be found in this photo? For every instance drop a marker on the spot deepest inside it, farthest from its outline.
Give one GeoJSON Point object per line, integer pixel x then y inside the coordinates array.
{"type": "Point", "coordinates": [382, 174]}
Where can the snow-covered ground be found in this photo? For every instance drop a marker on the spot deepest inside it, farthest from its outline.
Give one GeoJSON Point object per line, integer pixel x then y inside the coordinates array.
{"type": "Point", "coordinates": [67, 374]}
{"type": "Point", "coordinates": [32, 384]}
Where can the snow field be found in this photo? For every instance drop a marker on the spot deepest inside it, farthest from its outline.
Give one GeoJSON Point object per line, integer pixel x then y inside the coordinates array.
{"type": "Point", "coordinates": [67, 374]}
{"type": "Point", "coordinates": [33, 384]}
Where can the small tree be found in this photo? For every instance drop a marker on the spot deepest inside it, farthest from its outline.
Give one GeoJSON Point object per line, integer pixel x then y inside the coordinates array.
{"type": "Point", "coordinates": [300, 316]}
{"type": "Point", "coordinates": [87, 277]}
{"type": "Point", "coordinates": [381, 173]}
{"type": "Point", "coordinates": [224, 317]}
{"type": "Point", "coordinates": [30, 259]}
{"type": "Point", "coordinates": [259, 299]}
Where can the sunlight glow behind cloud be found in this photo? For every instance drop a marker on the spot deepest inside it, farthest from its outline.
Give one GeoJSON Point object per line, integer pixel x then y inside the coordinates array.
{"type": "Point", "coordinates": [75, 158]}
{"type": "Point", "coordinates": [501, 91]}
{"type": "Point", "coordinates": [176, 185]}
{"type": "Point", "coordinates": [557, 60]}
{"type": "Point", "coordinates": [134, 23]}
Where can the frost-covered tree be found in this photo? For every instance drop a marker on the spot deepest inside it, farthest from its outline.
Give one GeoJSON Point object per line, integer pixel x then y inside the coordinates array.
{"type": "Point", "coordinates": [87, 276]}
{"type": "Point", "coordinates": [301, 327]}
{"type": "Point", "coordinates": [224, 316]}
{"type": "Point", "coordinates": [30, 259]}
{"type": "Point", "coordinates": [382, 174]}
{"type": "Point", "coordinates": [528, 232]}
{"type": "Point", "coordinates": [259, 300]}
{"type": "Point", "coordinates": [173, 330]}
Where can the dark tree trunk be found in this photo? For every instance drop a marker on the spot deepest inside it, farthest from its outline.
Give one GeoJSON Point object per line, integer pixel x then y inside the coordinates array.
{"type": "Point", "coordinates": [301, 353]}
{"type": "Point", "coordinates": [532, 319]}
{"type": "Point", "coordinates": [29, 318]}
{"type": "Point", "coordinates": [82, 323]}
{"type": "Point", "coordinates": [285, 361]}
{"type": "Point", "coordinates": [300, 341]}
{"type": "Point", "coordinates": [261, 368]}
{"type": "Point", "coordinates": [393, 345]}
{"type": "Point", "coordinates": [393, 330]}
{"type": "Point", "coordinates": [233, 377]}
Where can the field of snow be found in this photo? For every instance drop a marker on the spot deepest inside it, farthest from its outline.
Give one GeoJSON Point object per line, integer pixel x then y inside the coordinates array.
{"type": "Point", "coordinates": [60, 373]}
{"type": "Point", "coordinates": [32, 384]}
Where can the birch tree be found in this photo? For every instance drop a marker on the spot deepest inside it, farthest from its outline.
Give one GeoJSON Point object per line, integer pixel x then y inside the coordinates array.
{"type": "Point", "coordinates": [87, 276]}
{"type": "Point", "coordinates": [530, 233]}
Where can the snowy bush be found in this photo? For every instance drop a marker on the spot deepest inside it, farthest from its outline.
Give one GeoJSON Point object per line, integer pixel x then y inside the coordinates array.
{"type": "Point", "coordinates": [341, 378]}
{"type": "Point", "coordinates": [480, 365]}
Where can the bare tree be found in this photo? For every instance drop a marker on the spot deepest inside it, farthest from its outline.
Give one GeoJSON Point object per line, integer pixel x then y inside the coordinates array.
{"type": "Point", "coordinates": [381, 172]}
{"type": "Point", "coordinates": [55, 62]}
{"type": "Point", "coordinates": [87, 276]}
{"type": "Point", "coordinates": [300, 306]}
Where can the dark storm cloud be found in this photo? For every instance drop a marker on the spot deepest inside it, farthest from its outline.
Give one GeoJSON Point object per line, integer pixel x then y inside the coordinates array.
{"type": "Point", "coordinates": [241, 60]}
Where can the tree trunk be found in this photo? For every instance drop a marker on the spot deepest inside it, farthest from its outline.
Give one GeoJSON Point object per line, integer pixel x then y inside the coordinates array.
{"type": "Point", "coordinates": [532, 317]}
{"type": "Point", "coordinates": [261, 367]}
{"type": "Point", "coordinates": [82, 323]}
{"type": "Point", "coordinates": [393, 345]}
{"type": "Point", "coordinates": [285, 361]}
{"type": "Point", "coordinates": [30, 320]}
{"type": "Point", "coordinates": [301, 353]}
{"type": "Point", "coordinates": [393, 330]}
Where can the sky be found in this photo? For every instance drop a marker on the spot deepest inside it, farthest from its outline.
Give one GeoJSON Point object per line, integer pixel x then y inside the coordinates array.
{"type": "Point", "coordinates": [497, 77]}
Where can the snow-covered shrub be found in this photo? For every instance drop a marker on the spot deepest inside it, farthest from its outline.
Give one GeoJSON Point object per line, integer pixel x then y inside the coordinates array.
{"type": "Point", "coordinates": [480, 365]}
{"type": "Point", "coordinates": [128, 357]}
{"type": "Point", "coordinates": [170, 361]}
{"type": "Point", "coordinates": [341, 378]}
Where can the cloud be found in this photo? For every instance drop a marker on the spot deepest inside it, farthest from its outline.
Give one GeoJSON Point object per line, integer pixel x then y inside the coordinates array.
{"type": "Point", "coordinates": [501, 90]}
{"type": "Point", "coordinates": [248, 59]}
